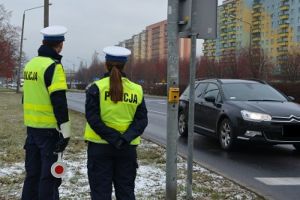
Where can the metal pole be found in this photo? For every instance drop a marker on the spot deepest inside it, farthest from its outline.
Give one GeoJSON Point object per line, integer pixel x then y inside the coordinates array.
{"type": "Point", "coordinates": [189, 180]}
{"type": "Point", "coordinates": [191, 117]}
{"type": "Point", "coordinates": [20, 56]}
{"type": "Point", "coordinates": [172, 110]}
{"type": "Point", "coordinates": [46, 13]}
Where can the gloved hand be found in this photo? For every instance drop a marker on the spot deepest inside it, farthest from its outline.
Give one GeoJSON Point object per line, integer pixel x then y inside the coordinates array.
{"type": "Point", "coordinates": [61, 145]}
{"type": "Point", "coordinates": [121, 143]}
{"type": "Point", "coordinates": [64, 137]}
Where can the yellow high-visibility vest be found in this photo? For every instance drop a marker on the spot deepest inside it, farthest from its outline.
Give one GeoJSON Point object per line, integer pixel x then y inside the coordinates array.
{"type": "Point", "coordinates": [38, 110]}
{"type": "Point", "coordinates": [116, 115]}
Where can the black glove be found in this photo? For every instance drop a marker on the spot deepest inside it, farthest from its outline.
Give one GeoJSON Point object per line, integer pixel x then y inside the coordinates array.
{"type": "Point", "coordinates": [61, 144]}
{"type": "Point", "coordinates": [121, 144]}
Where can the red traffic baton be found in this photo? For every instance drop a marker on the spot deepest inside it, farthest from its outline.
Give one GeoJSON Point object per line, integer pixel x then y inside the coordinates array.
{"type": "Point", "coordinates": [58, 169]}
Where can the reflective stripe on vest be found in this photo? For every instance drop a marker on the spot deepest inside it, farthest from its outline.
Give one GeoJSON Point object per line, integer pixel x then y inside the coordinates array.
{"type": "Point", "coordinates": [116, 115]}
{"type": "Point", "coordinates": [38, 110]}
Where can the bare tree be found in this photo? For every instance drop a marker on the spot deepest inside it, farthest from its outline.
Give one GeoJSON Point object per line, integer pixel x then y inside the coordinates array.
{"type": "Point", "coordinates": [291, 67]}
{"type": "Point", "coordinates": [209, 68]}
{"type": "Point", "coordinates": [8, 44]}
{"type": "Point", "coordinates": [260, 64]}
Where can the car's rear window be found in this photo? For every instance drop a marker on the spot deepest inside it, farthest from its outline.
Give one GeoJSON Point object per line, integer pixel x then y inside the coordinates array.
{"type": "Point", "coordinates": [251, 92]}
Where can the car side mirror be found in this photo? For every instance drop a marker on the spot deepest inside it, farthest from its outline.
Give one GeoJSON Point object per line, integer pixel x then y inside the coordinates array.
{"type": "Point", "coordinates": [291, 98]}
{"type": "Point", "coordinates": [211, 99]}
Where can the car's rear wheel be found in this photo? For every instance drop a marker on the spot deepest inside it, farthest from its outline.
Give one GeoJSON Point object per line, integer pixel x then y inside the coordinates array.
{"type": "Point", "coordinates": [297, 147]}
{"type": "Point", "coordinates": [182, 125]}
{"type": "Point", "coordinates": [225, 132]}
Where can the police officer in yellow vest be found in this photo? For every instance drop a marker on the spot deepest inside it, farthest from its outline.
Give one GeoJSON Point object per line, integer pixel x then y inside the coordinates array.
{"type": "Point", "coordinates": [45, 116]}
{"type": "Point", "coordinates": [116, 117]}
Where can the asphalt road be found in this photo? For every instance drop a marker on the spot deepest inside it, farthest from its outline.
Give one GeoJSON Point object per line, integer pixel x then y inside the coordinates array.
{"type": "Point", "coordinates": [273, 172]}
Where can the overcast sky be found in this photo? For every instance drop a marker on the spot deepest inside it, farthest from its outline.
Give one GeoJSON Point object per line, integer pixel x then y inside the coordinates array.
{"type": "Point", "coordinates": [92, 24]}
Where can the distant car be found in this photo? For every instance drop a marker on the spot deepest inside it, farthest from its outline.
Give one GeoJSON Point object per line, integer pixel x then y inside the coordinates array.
{"type": "Point", "coordinates": [234, 109]}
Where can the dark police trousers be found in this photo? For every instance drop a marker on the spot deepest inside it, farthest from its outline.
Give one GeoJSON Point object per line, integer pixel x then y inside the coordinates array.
{"type": "Point", "coordinates": [108, 165]}
{"type": "Point", "coordinates": [39, 183]}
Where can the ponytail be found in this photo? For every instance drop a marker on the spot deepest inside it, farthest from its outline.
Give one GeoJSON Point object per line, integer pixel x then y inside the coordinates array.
{"type": "Point", "coordinates": [116, 87]}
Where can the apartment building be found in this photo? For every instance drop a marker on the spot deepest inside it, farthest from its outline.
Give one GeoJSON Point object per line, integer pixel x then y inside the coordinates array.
{"type": "Point", "coordinates": [157, 41]}
{"type": "Point", "coordinates": [151, 44]}
{"type": "Point", "coordinates": [157, 47]}
{"type": "Point", "coordinates": [234, 29]}
{"type": "Point", "coordinates": [273, 25]}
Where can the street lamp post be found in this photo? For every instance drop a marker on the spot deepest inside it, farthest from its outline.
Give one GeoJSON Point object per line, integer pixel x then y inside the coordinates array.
{"type": "Point", "coordinates": [46, 13]}
{"type": "Point", "coordinates": [21, 47]}
{"type": "Point", "coordinates": [83, 61]}
{"type": "Point", "coordinates": [250, 35]}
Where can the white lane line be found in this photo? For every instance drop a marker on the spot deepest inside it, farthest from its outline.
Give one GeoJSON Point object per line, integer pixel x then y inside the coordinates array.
{"type": "Point", "coordinates": [279, 180]}
{"type": "Point", "coordinates": [153, 111]}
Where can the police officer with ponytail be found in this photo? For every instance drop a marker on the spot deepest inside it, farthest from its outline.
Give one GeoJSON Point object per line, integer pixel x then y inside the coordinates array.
{"type": "Point", "coordinates": [45, 116]}
{"type": "Point", "coordinates": [116, 117]}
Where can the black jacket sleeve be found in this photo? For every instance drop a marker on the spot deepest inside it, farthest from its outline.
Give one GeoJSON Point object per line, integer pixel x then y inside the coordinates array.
{"type": "Point", "coordinates": [92, 114]}
{"type": "Point", "coordinates": [138, 124]}
{"type": "Point", "coordinates": [58, 98]}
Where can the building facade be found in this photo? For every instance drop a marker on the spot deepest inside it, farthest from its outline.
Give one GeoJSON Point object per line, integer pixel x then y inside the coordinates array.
{"type": "Point", "coordinates": [272, 25]}
{"type": "Point", "coordinates": [233, 32]}
{"type": "Point", "coordinates": [157, 41]}
{"type": "Point", "coordinates": [151, 44]}
{"type": "Point", "coordinates": [157, 47]}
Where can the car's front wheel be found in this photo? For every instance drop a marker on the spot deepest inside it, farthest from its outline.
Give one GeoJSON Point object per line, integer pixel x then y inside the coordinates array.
{"type": "Point", "coordinates": [297, 147]}
{"type": "Point", "coordinates": [182, 125]}
{"type": "Point", "coordinates": [225, 132]}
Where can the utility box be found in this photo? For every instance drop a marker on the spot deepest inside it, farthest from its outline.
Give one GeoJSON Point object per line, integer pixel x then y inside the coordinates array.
{"type": "Point", "coordinates": [204, 13]}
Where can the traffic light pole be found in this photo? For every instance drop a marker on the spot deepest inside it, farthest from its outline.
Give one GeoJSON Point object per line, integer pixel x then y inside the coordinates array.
{"type": "Point", "coordinates": [189, 180]}
{"type": "Point", "coordinates": [173, 97]}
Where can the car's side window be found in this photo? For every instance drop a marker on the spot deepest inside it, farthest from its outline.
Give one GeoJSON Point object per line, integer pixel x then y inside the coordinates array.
{"type": "Point", "coordinates": [212, 90]}
{"type": "Point", "coordinates": [200, 89]}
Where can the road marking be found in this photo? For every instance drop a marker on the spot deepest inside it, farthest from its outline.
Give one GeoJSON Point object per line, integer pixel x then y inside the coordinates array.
{"type": "Point", "coordinates": [156, 101]}
{"type": "Point", "coordinates": [161, 113]}
{"type": "Point", "coordinates": [279, 180]}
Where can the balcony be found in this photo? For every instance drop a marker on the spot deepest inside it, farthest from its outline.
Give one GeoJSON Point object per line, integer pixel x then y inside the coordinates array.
{"type": "Point", "coordinates": [256, 6]}
{"type": "Point", "coordinates": [258, 22]}
{"type": "Point", "coordinates": [284, 7]}
{"type": "Point", "coordinates": [256, 39]}
{"type": "Point", "coordinates": [223, 26]}
{"type": "Point", "coordinates": [256, 31]}
{"type": "Point", "coordinates": [224, 19]}
{"type": "Point", "coordinates": [232, 9]}
{"type": "Point", "coordinates": [283, 26]}
{"type": "Point", "coordinates": [284, 34]}
{"type": "Point", "coordinates": [256, 14]}
{"type": "Point", "coordinates": [232, 25]}
{"type": "Point", "coordinates": [232, 32]}
{"type": "Point", "coordinates": [283, 44]}
{"type": "Point", "coordinates": [284, 17]}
